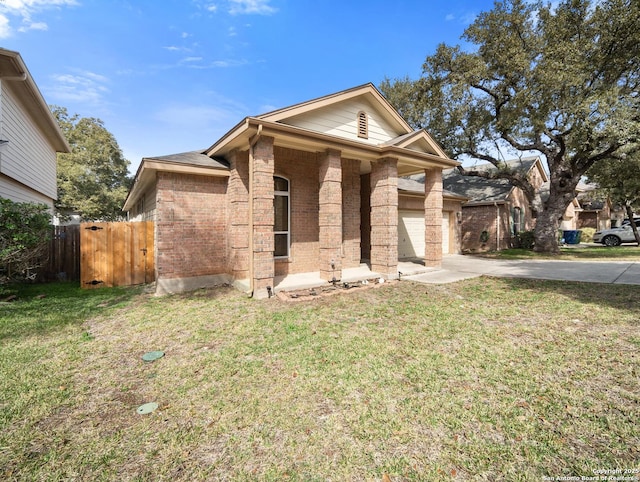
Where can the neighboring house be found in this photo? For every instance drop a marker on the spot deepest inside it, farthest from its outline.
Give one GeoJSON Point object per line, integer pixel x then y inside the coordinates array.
{"type": "Point", "coordinates": [497, 211]}
{"type": "Point", "coordinates": [29, 136]}
{"type": "Point", "coordinates": [308, 188]}
{"type": "Point", "coordinates": [595, 213]}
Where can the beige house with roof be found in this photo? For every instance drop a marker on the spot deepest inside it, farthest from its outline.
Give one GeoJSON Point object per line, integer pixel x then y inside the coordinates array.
{"type": "Point", "coordinates": [311, 188]}
{"type": "Point", "coordinates": [29, 136]}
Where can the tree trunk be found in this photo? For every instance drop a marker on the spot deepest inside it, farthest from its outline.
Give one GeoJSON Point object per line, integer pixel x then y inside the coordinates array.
{"type": "Point", "coordinates": [629, 210]}
{"type": "Point", "coordinates": [546, 230]}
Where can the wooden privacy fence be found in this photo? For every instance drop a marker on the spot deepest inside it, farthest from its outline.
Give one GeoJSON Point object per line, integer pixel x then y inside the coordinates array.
{"type": "Point", "coordinates": [116, 254]}
{"type": "Point", "coordinates": [64, 254]}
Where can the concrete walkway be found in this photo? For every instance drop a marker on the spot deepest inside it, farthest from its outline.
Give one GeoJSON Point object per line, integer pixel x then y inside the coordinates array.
{"type": "Point", "coordinates": [460, 267]}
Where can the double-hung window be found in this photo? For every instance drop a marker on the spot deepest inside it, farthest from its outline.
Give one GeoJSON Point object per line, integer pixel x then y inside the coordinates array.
{"type": "Point", "coordinates": [281, 207]}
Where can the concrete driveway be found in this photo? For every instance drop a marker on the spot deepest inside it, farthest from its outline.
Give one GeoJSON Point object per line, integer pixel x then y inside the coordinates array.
{"type": "Point", "coordinates": [459, 267]}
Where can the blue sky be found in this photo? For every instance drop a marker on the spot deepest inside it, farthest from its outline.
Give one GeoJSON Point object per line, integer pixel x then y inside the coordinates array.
{"type": "Point", "coordinates": [173, 76]}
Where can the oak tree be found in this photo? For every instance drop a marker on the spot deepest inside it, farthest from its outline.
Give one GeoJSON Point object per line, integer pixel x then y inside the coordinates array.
{"type": "Point", "coordinates": [532, 78]}
{"type": "Point", "coordinates": [93, 179]}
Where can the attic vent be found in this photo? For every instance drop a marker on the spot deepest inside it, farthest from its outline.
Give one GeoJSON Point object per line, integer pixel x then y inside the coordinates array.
{"type": "Point", "coordinates": [363, 125]}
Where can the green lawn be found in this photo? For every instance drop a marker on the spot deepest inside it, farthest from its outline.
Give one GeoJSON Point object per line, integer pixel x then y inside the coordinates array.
{"type": "Point", "coordinates": [487, 379]}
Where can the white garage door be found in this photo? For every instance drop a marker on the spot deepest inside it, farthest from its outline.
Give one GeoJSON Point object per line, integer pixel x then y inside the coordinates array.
{"type": "Point", "coordinates": [445, 233]}
{"type": "Point", "coordinates": [410, 234]}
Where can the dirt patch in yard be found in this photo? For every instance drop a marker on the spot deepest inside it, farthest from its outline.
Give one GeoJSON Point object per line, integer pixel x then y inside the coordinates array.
{"type": "Point", "coordinates": [331, 289]}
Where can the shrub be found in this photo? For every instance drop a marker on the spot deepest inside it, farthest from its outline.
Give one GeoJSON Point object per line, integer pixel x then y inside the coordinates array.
{"type": "Point", "coordinates": [587, 235]}
{"type": "Point", "coordinates": [526, 239]}
{"type": "Point", "coordinates": [25, 229]}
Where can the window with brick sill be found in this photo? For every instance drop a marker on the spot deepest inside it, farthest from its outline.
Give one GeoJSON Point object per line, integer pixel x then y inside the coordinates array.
{"type": "Point", "coordinates": [281, 207]}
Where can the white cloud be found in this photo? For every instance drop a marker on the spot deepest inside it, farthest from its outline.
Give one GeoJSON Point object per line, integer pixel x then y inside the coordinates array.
{"type": "Point", "coordinates": [5, 28]}
{"type": "Point", "coordinates": [25, 10]}
{"type": "Point", "coordinates": [465, 18]}
{"type": "Point", "coordinates": [468, 18]}
{"type": "Point", "coordinates": [34, 26]}
{"type": "Point", "coordinates": [247, 7]}
{"type": "Point", "coordinates": [82, 86]}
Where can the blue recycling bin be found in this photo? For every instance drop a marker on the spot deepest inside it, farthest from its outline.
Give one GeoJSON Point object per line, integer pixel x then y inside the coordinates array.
{"type": "Point", "coordinates": [572, 236]}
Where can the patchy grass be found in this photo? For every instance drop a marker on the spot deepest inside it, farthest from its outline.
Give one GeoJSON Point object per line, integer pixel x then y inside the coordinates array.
{"type": "Point", "coordinates": [487, 379]}
{"type": "Point", "coordinates": [589, 253]}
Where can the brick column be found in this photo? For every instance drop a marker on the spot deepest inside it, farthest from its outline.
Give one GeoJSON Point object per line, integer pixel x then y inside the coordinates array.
{"type": "Point", "coordinates": [238, 222]}
{"type": "Point", "coordinates": [330, 215]}
{"type": "Point", "coordinates": [262, 245]}
{"type": "Point", "coordinates": [384, 217]}
{"type": "Point", "coordinates": [433, 217]}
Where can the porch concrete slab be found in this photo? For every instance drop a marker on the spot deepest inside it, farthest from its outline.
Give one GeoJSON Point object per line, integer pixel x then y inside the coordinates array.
{"type": "Point", "coordinates": [299, 281]}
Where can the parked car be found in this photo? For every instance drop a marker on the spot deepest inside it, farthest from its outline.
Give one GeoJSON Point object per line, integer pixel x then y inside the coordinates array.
{"type": "Point", "coordinates": [615, 236]}
{"type": "Point", "coordinates": [626, 221]}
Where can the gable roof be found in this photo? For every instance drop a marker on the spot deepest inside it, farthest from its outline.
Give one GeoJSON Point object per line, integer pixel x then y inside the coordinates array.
{"type": "Point", "coordinates": [192, 162]}
{"type": "Point", "coordinates": [14, 70]}
{"type": "Point", "coordinates": [367, 91]}
{"type": "Point", "coordinates": [480, 190]}
{"type": "Point", "coordinates": [315, 126]}
{"type": "Point", "coordinates": [300, 126]}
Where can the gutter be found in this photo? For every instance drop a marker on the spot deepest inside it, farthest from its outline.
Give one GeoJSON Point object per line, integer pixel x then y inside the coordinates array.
{"type": "Point", "coordinates": [21, 78]}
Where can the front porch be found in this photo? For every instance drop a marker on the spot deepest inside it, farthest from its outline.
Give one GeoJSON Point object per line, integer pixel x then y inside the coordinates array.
{"type": "Point", "coordinates": [291, 282]}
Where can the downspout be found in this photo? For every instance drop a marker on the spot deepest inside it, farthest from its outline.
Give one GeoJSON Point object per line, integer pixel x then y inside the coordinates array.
{"type": "Point", "coordinates": [497, 226]}
{"type": "Point", "coordinates": [252, 143]}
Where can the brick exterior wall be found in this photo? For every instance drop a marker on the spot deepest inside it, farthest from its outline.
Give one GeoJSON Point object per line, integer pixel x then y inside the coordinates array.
{"type": "Point", "coordinates": [301, 169]}
{"type": "Point", "coordinates": [191, 225]}
{"type": "Point", "coordinates": [475, 220]}
{"type": "Point", "coordinates": [351, 225]}
{"type": "Point", "coordinates": [384, 217]}
{"type": "Point", "coordinates": [238, 215]}
{"type": "Point", "coordinates": [433, 217]}
{"type": "Point", "coordinates": [365, 216]}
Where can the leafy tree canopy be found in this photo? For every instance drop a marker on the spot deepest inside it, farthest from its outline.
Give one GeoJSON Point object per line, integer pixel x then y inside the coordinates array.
{"type": "Point", "coordinates": [559, 80]}
{"type": "Point", "coordinates": [620, 179]}
{"type": "Point", "coordinates": [93, 179]}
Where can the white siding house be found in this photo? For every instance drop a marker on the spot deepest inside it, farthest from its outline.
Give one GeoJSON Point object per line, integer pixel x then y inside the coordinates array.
{"type": "Point", "coordinates": [29, 136]}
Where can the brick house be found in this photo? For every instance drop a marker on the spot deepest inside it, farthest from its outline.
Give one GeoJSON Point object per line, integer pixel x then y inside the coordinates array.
{"type": "Point", "coordinates": [496, 211]}
{"type": "Point", "coordinates": [308, 188]}
{"type": "Point", "coordinates": [596, 212]}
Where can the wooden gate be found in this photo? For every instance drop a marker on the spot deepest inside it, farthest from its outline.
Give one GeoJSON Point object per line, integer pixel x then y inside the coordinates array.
{"type": "Point", "coordinates": [116, 254]}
